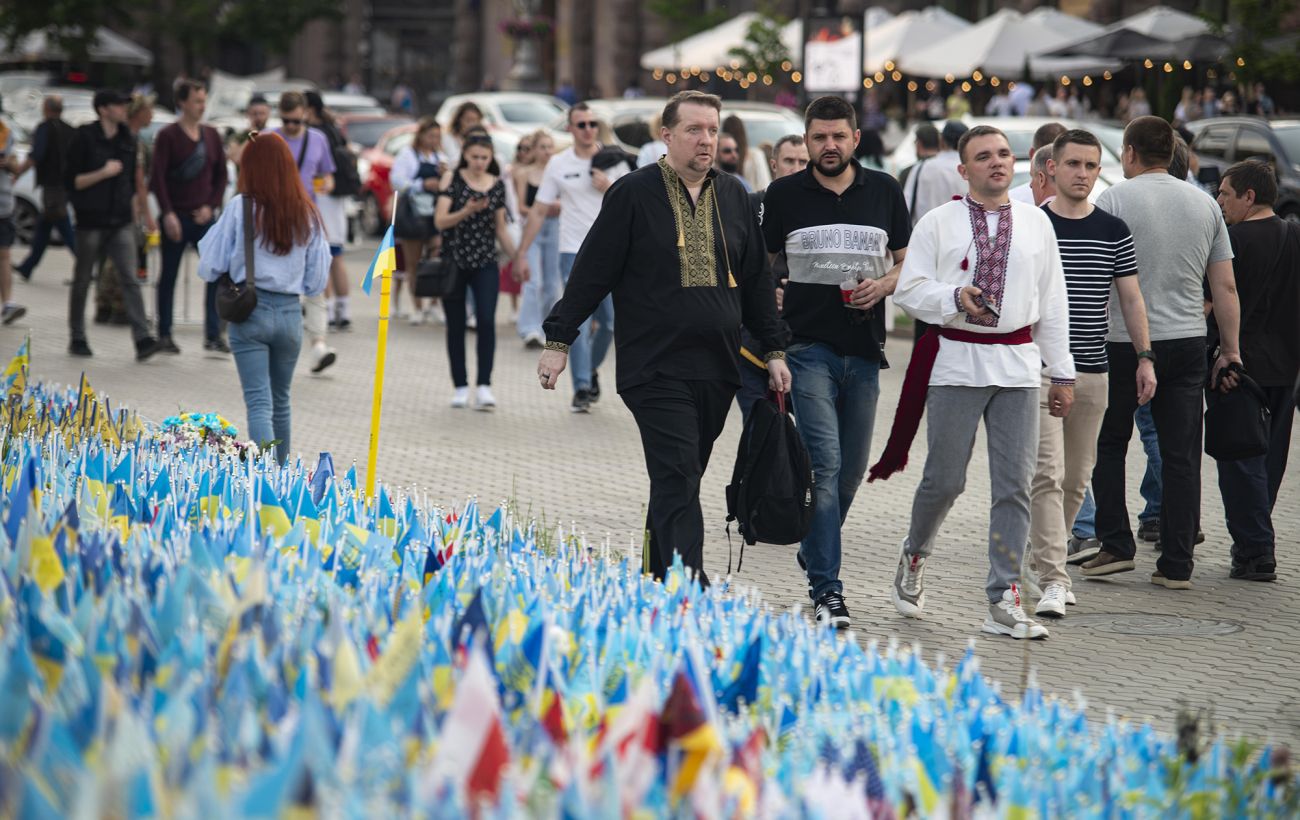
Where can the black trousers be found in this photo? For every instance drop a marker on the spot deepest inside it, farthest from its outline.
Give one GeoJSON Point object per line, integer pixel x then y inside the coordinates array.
{"type": "Point", "coordinates": [1177, 411]}
{"type": "Point", "coordinates": [1249, 486]}
{"type": "Point", "coordinates": [679, 421]}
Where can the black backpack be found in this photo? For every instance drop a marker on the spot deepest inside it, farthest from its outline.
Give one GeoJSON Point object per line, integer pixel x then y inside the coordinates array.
{"type": "Point", "coordinates": [771, 491]}
{"type": "Point", "coordinates": [347, 179]}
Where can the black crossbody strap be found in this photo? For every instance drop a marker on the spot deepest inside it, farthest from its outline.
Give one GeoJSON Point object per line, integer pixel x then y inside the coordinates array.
{"type": "Point", "coordinates": [302, 152]}
{"type": "Point", "coordinates": [249, 230]}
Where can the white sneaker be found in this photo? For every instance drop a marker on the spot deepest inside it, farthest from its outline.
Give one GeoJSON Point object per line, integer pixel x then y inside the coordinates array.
{"type": "Point", "coordinates": [471, 322]}
{"type": "Point", "coordinates": [1007, 617]}
{"type": "Point", "coordinates": [417, 318]}
{"type": "Point", "coordinates": [483, 399]}
{"type": "Point", "coordinates": [1053, 601]}
{"type": "Point", "coordinates": [460, 398]}
{"type": "Point", "coordinates": [908, 590]}
{"type": "Point", "coordinates": [321, 358]}
{"type": "Point", "coordinates": [1070, 599]}
{"type": "Point", "coordinates": [436, 316]}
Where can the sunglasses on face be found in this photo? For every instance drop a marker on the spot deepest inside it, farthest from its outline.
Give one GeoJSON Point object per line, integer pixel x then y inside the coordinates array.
{"type": "Point", "coordinates": [587, 124]}
{"type": "Point", "coordinates": [291, 122]}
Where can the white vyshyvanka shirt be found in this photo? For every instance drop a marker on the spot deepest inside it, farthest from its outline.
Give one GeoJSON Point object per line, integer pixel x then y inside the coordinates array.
{"type": "Point", "coordinates": [1034, 295]}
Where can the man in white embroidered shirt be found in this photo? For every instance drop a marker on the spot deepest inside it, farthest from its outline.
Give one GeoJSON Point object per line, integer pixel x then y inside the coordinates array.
{"type": "Point", "coordinates": [986, 272]}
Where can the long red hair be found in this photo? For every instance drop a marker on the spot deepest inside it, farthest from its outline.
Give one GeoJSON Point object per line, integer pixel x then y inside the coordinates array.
{"type": "Point", "coordinates": [286, 216]}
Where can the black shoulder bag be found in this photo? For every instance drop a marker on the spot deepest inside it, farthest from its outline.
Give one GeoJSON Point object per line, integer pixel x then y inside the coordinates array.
{"type": "Point", "coordinates": [236, 300]}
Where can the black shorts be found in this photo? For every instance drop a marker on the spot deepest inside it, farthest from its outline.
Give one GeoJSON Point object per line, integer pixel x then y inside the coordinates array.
{"type": "Point", "coordinates": [8, 231]}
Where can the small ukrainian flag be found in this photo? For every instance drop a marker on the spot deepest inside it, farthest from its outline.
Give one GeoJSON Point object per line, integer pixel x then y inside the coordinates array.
{"type": "Point", "coordinates": [385, 261]}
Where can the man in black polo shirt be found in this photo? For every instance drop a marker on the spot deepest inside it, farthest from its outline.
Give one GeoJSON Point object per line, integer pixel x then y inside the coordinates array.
{"type": "Point", "coordinates": [844, 232]}
{"type": "Point", "coordinates": [100, 174]}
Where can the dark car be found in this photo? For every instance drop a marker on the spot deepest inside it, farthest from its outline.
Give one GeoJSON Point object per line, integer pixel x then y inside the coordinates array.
{"type": "Point", "coordinates": [1221, 141]}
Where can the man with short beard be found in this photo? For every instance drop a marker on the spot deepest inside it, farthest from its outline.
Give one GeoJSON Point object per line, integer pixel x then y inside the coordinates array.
{"type": "Point", "coordinates": [843, 230]}
{"type": "Point", "coordinates": [729, 160]}
{"type": "Point", "coordinates": [677, 245]}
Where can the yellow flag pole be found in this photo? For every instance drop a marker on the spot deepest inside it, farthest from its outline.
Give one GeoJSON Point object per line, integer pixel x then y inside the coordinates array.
{"type": "Point", "coordinates": [381, 351]}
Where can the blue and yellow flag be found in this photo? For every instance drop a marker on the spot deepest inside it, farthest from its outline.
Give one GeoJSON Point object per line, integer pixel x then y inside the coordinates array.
{"type": "Point", "coordinates": [385, 261]}
{"type": "Point", "coordinates": [14, 379]}
{"type": "Point", "coordinates": [272, 515]}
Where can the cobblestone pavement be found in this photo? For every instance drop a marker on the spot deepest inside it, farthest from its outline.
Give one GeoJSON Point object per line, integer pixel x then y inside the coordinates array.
{"type": "Point", "coordinates": [1130, 648]}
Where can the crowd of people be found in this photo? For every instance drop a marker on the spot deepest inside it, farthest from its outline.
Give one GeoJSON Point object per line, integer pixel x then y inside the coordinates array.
{"type": "Point", "coordinates": [730, 272]}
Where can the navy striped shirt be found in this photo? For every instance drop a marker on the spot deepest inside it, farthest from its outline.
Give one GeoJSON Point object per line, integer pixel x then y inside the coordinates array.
{"type": "Point", "coordinates": [1095, 250]}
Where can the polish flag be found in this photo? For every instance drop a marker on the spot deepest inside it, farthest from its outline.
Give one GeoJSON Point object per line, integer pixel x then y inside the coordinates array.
{"type": "Point", "coordinates": [472, 753]}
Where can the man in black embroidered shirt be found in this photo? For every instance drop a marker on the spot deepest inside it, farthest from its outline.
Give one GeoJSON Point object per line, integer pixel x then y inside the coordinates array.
{"type": "Point", "coordinates": [680, 249]}
{"type": "Point", "coordinates": [843, 230]}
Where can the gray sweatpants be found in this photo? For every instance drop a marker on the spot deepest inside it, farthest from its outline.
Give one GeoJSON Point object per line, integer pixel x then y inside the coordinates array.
{"type": "Point", "coordinates": [93, 246]}
{"type": "Point", "coordinates": [1011, 421]}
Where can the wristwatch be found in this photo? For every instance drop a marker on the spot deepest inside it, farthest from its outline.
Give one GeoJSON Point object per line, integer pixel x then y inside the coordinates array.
{"type": "Point", "coordinates": [1148, 354]}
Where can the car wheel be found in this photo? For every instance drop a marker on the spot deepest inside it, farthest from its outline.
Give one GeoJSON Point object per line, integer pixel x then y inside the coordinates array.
{"type": "Point", "coordinates": [372, 223]}
{"type": "Point", "coordinates": [1291, 215]}
{"type": "Point", "coordinates": [25, 218]}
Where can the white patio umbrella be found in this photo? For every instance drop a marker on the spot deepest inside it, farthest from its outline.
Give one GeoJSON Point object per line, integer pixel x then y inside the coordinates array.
{"type": "Point", "coordinates": [1164, 23]}
{"type": "Point", "coordinates": [107, 47]}
{"type": "Point", "coordinates": [998, 45]}
{"type": "Point", "coordinates": [909, 32]}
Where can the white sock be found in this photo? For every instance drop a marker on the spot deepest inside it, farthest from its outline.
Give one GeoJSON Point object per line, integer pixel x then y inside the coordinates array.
{"type": "Point", "coordinates": [341, 307]}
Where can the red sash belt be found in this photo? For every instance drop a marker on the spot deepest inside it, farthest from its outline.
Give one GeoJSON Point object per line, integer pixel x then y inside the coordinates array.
{"type": "Point", "coordinates": [911, 404]}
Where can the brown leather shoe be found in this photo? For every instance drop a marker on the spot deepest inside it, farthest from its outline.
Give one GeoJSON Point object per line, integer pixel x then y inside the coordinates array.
{"type": "Point", "coordinates": [1106, 563]}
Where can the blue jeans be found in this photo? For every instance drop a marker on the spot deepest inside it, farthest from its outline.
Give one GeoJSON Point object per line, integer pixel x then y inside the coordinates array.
{"type": "Point", "coordinates": [588, 351]}
{"type": "Point", "coordinates": [484, 285]}
{"type": "Point", "coordinates": [1085, 523]}
{"type": "Point", "coordinates": [41, 240]}
{"type": "Point", "coordinates": [266, 351]}
{"type": "Point", "coordinates": [543, 288]}
{"type": "Point", "coordinates": [1151, 486]}
{"type": "Point", "coordinates": [172, 252]}
{"type": "Point", "coordinates": [835, 404]}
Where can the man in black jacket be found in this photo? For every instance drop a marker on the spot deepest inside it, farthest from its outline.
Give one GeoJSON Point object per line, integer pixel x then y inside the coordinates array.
{"type": "Point", "coordinates": [100, 175]}
{"type": "Point", "coordinates": [49, 151]}
{"type": "Point", "coordinates": [680, 249]}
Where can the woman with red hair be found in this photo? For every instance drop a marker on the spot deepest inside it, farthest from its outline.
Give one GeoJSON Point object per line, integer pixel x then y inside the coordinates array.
{"type": "Point", "coordinates": [290, 260]}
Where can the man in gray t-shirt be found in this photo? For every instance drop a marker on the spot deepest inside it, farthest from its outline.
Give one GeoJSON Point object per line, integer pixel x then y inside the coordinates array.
{"type": "Point", "coordinates": [1181, 241]}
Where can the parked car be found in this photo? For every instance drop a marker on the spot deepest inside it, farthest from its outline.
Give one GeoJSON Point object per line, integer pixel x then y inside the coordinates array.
{"type": "Point", "coordinates": [362, 131]}
{"type": "Point", "coordinates": [342, 103]}
{"type": "Point", "coordinates": [630, 121]}
{"type": "Point", "coordinates": [375, 163]}
{"type": "Point", "coordinates": [1221, 141]}
{"type": "Point", "coordinates": [517, 112]}
{"type": "Point", "coordinates": [1020, 134]}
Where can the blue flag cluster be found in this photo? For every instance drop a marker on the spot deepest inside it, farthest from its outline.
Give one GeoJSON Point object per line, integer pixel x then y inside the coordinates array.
{"type": "Point", "coordinates": [186, 633]}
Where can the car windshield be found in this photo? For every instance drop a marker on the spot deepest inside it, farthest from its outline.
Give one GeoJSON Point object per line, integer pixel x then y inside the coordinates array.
{"type": "Point", "coordinates": [529, 112]}
{"type": "Point", "coordinates": [367, 132]}
{"type": "Point", "coordinates": [1290, 139]}
{"type": "Point", "coordinates": [768, 129]}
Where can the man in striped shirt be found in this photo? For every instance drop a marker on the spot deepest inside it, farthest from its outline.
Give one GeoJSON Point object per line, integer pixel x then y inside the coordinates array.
{"type": "Point", "coordinates": [1096, 253]}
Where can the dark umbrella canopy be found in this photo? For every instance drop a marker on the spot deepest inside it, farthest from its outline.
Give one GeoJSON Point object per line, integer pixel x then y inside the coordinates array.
{"type": "Point", "coordinates": [1200, 48]}
{"type": "Point", "coordinates": [1118, 44]}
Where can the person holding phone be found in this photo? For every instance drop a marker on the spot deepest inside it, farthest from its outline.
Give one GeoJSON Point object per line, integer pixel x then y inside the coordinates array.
{"type": "Point", "coordinates": [471, 213]}
{"type": "Point", "coordinates": [966, 256]}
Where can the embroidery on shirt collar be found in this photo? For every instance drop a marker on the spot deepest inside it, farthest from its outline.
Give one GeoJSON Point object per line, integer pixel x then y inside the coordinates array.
{"type": "Point", "coordinates": [990, 257]}
{"type": "Point", "coordinates": [696, 251]}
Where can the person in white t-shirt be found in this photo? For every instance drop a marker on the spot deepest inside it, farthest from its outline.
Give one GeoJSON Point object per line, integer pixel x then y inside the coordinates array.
{"type": "Point", "coordinates": [570, 182]}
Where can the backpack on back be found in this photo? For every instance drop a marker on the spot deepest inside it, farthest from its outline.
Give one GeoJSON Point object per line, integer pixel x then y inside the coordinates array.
{"type": "Point", "coordinates": [771, 491]}
{"type": "Point", "coordinates": [347, 178]}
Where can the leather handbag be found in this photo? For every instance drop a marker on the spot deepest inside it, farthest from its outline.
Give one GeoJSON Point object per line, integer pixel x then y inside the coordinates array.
{"type": "Point", "coordinates": [408, 222]}
{"type": "Point", "coordinates": [237, 300]}
{"type": "Point", "coordinates": [1236, 422]}
{"type": "Point", "coordinates": [437, 277]}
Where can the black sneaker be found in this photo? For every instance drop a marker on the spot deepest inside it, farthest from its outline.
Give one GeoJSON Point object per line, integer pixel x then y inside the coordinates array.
{"type": "Point", "coordinates": [166, 345]}
{"type": "Point", "coordinates": [1258, 569]}
{"type": "Point", "coordinates": [343, 324]}
{"type": "Point", "coordinates": [831, 611]}
{"type": "Point", "coordinates": [581, 402]}
{"type": "Point", "coordinates": [1149, 530]}
{"type": "Point", "coordinates": [595, 387]}
{"type": "Point", "coordinates": [12, 313]}
{"type": "Point", "coordinates": [216, 346]}
{"type": "Point", "coordinates": [78, 347]}
{"type": "Point", "coordinates": [145, 348]}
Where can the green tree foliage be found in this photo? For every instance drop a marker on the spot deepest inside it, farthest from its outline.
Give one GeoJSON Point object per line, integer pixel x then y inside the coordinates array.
{"type": "Point", "coordinates": [685, 17]}
{"type": "Point", "coordinates": [762, 51]}
{"type": "Point", "coordinates": [1256, 22]}
{"type": "Point", "coordinates": [70, 23]}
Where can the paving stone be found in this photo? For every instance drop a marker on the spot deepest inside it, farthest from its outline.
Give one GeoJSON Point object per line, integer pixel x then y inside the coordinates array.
{"type": "Point", "coordinates": [585, 472]}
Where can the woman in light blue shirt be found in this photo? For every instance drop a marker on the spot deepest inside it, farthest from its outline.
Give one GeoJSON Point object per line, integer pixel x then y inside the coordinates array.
{"type": "Point", "coordinates": [291, 259]}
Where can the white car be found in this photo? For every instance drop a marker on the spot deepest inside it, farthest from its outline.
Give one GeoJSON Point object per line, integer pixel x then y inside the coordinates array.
{"type": "Point", "coordinates": [1020, 133]}
{"type": "Point", "coordinates": [629, 119]}
{"type": "Point", "coordinates": [515, 112]}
